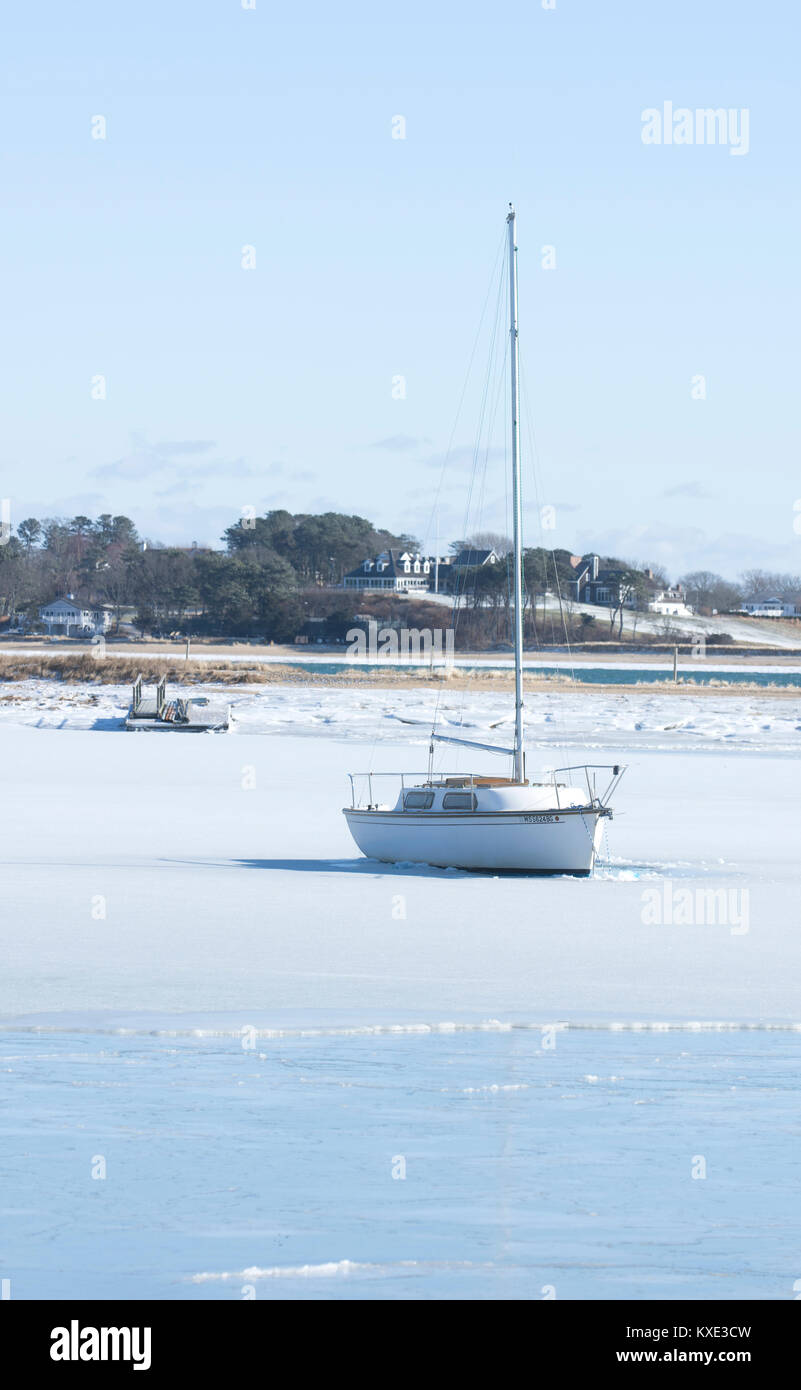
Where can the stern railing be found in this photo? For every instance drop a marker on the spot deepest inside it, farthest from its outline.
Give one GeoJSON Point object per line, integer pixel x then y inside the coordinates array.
{"type": "Point", "coordinates": [469, 781]}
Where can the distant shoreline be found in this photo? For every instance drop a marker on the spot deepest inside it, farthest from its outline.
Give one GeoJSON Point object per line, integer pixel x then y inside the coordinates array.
{"type": "Point", "coordinates": [584, 654]}
{"type": "Point", "coordinates": [82, 669]}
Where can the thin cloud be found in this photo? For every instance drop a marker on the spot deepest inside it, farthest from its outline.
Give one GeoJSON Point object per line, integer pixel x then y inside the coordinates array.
{"type": "Point", "coordinates": [180, 467]}
{"type": "Point", "coordinates": [399, 443]}
{"type": "Point", "coordinates": [184, 446]}
{"type": "Point", "coordinates": [138, 465]}
{"type": "Point", "coordinates": [149, 459]}
{"type": "Point", "coordinates": [220, 468]}
{"type": "Point", "coordinates": [465, 456]}
{"type": "Point", "coordinates": [74, 504]}
{"type": "Point", "coordinates": [181, 488]}
{"type": "Point", "coordinates": [687, 490]}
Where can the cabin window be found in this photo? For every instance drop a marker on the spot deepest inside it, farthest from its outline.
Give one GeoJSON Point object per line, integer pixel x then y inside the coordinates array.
{"type": "Point", "coordinates": [459, 801]}
{"type": "Point", "coordinates": [418, 800]}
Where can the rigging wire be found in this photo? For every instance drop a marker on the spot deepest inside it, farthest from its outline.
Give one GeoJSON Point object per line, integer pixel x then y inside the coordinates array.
{"type": "Point", "coordinates": [551, 550]}
{"type": "Point", "coordinates": [499, 386]}
{"type": "Point", "coordinates": [448, 451]}
{"type": "Point", "coordinates": [487, 409]}
{"type": "Point", "coordinates": [465, 383]}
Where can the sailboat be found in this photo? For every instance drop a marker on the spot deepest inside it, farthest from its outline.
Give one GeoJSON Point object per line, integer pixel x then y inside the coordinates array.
{"type": "Point", "coordinates": [550, 825]}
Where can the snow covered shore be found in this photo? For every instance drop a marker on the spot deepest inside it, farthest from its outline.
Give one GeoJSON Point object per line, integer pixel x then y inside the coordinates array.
{"type": "Point", "coordinates": [587, 718]}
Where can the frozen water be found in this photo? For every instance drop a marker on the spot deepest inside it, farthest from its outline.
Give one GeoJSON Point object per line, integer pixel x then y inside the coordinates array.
{"type": "Point", "coordinates": [256, 1029]}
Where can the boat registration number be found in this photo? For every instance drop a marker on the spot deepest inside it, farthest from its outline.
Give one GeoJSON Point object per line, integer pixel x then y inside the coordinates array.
{"type": "Point", "coordinates": [540, 820]}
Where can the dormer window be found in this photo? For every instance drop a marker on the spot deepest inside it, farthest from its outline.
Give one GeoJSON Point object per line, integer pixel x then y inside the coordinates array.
{"type": "Point", "coordinates": [407, 568]}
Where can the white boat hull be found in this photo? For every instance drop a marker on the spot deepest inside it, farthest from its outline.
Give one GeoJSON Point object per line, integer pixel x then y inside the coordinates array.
{"type": "Point", "coordinates": [553, 842]}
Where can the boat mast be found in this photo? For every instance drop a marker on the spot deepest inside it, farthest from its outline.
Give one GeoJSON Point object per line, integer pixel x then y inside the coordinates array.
{"type": "Point", "coordinates": [519, 756]}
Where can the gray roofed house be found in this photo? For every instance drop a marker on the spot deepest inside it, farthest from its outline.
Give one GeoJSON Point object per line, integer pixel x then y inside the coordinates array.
{"type": "Point", "coordinates": [474, 558]}
{"type": "Point", "coordinates": [74, 617]}
{"type": "Point", "coordinates": [600, 585]}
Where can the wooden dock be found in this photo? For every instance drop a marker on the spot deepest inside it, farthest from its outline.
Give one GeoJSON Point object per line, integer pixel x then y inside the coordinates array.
{"type": "Point", "coordinates": [157, 714]}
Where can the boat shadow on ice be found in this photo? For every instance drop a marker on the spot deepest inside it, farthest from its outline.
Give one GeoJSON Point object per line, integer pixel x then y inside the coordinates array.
{"type": "Point", "coordinates": [617, 871]}
{"type": "Point", "coordinates": [380, 867]}
{"type": "Point", "coordinates": [362, 865]}
{"type": "Point", "coordinates": [372, 867]}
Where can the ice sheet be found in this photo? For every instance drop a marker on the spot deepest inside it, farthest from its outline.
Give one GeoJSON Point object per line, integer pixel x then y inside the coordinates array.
{"type": "Point", "coordinates": [208, 989]}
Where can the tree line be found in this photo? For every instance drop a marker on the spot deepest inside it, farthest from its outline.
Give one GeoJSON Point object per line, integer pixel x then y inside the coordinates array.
{"type": "Point", "coordinates": [278, 571]}
{"type": "Point", "coordinates": [256, 585]}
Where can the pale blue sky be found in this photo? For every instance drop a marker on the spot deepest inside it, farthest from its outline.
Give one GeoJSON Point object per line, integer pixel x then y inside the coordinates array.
{"type": "Point", "coordinates": [229, 127]}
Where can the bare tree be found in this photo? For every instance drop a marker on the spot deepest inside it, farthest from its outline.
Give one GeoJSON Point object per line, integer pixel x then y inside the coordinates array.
{"type": "Point", "coordinates": [708, 592]}
{"type": "Point", "coordinates": [489, 540]}
{"type": "Point", "coordinates": [766, 583]}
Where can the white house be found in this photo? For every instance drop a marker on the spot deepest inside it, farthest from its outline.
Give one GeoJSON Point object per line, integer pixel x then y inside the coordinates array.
{"type": "Point", "coordinates": [400, 571]}
{"type": "Point", "coordinates": [768, 607]}
{"type": "Point", "coordinates": [74, 619]}
{"type": "Point", "coordinates": [671, 602]}
{"type": "Point", "coordinates": [404, 571]}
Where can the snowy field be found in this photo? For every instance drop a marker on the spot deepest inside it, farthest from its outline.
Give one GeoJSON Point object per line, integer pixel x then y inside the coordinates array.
{"type": "Point", "coordinates": [584, 719]}
{"type": "Point", "coordinates": [309, 1075]}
